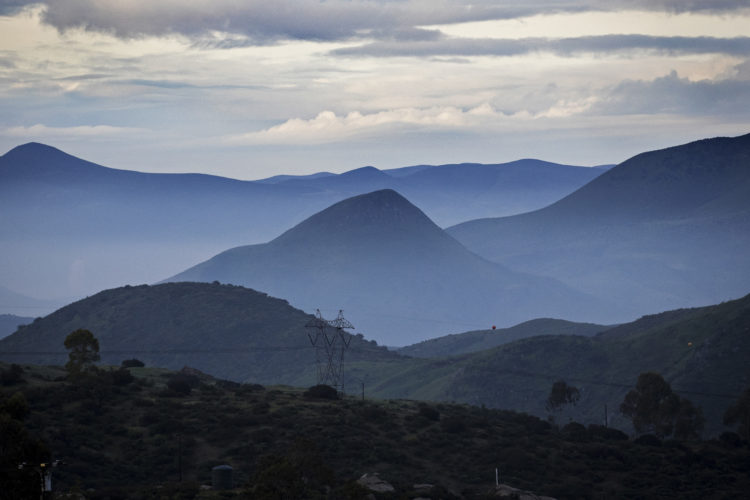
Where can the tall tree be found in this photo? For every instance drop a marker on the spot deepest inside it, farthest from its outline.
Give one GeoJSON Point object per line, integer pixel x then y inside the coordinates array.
{"type": "Point", "coordinates": [654, 408]}
{"type": "Point", "coordinates": [562, 394]}
{"type": "Point", "coordinates": [84, 352]}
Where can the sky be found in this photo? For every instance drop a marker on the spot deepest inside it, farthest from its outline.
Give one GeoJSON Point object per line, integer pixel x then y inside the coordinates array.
{"type": "Point", "coordinates": [251, 89]}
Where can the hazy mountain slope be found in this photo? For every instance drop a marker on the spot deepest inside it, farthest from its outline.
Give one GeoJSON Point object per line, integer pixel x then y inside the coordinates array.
{"type": "Point", "coordinates": [9, 323]}
{"type": "Point", "coordinates": [70, 227]}
{"type": "Point", "coordinates": [21, 305]}
{"type": "Point", "coordinates": [227, 331]}
{"type": "Point", "coordinates": [665, 229]}
{"type": "Point", "coordinates": [397, 275]}
{"type": "Point", "coordinates": [702, 352]}
{"type": "Point", "coordinates": [480, 340]}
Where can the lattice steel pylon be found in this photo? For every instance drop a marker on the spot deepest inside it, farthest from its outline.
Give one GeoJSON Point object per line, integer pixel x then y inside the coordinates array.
{"type": "Point", "coordinates": [330, 341]}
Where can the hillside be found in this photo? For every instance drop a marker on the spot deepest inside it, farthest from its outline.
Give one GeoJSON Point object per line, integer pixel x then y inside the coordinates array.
{"type": "Point", "coordinates": [480, 340]}
{"type": "Point", "coordinates": [664, 229]}
{"type": "Point", "coordinates": [70, 228]}
{"type": "Point", "coordinates": [701, 352]}
{"type": "Point", "coordinates": [400, 278]}
{"type": "Point", "coordinates": [134, 437]}
{"type": "Point", "coordinates": [228, 331]}
{"type": "Point", "coordinates": [9, 323]}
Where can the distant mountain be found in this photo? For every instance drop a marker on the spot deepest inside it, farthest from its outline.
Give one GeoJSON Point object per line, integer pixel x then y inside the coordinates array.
{"type": "Point", "coordinates": [69, 227]}
{"type": "Point", "coordinates": [701, 352]}
{"type": "Point", "coordinates": [9, 323]}
{"type": "Point", "coordinates": [480, 340]}
{"type": "Point", "coordinates": [399, 276]}
{"type": "Point", "coordinates": [664, 229]}
{"type": "Point", "coordinates": [453, 193]}
{"type": "Point", "coordinates": [228, 331]}
{"type": "Point", "coordinates": [21, 305]}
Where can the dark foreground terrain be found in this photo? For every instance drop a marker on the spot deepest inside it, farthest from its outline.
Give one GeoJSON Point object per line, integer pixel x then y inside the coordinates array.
{"type": "Point", "coordinates": [150, 433]}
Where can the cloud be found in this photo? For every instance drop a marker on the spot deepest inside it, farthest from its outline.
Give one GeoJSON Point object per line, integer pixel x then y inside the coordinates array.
{"type": "Point", "coordinates": [674, 95]}
{"type": "Point", "coordinates": [739, 46]}
{"type": "Point", "coordinates": [261, 22]}
{"type": "Point", "coordinates": [10, 7]}
{"type": "Point", "coordinates": [328, 127]}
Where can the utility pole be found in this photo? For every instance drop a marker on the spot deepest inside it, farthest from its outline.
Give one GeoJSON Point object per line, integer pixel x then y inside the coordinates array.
{"type": "Point", "coordinates": [606, 420]}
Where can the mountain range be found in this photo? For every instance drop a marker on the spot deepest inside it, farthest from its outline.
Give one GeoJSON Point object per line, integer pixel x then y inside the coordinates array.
{"type": "Point", "coordinates": [662, 230]}
{"type": "Point", "coordinates": [69, 227]}
{"type": "Point", "coordinates": [398, 276]}
{"type": "Point", "coordinates": [236, 333]}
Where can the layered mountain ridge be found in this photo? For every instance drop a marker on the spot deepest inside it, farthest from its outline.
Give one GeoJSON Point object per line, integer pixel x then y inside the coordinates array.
{"type": "Point", "coordinates": [388, 265]}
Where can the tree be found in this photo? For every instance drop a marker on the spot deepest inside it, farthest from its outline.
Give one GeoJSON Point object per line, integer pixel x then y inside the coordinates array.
{"type": "Point", "coordinates": [84, 352]}
{"type": "Point", "coordinates": [560, 396]}
{"type": "Point", "coordinates": [654, 408]}
{"type": "Point", "coordinates": [739, 413]}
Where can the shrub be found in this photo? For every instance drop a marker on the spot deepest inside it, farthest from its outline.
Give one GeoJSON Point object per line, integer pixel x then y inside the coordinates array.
{"type": "Point", "coordinates": [133, 363]}
{"type": "Point", "coordinates": [429, 412]}
{"type": "Point", "coordinates": [12, 375]}
{"type": "Point", "coordinates": [322, 391]}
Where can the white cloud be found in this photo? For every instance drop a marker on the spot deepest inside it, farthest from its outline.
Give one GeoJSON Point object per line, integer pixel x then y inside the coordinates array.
{"type": "Point", "coordinates": [328, 127]}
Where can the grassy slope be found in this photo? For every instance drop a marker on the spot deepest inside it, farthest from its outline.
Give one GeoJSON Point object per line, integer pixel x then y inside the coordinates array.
{"type": "Point", "coordinates": [124, 440]}
{"type": "Point", "coordinates": [480, 340]}
{"type": "Point", "coordinates": [228, 331]}
{"type": "Point", "coordinates": [702, 352]}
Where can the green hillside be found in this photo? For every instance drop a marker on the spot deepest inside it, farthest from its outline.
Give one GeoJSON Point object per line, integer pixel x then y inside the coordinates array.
{"type": "Point", "coordinates": [702, 352]}
{"type": "Point", "coordinates": [123, 437]}
{"type": "Point", "coordinates": [228, 331]}
{"type": "Point", "coordinates": [480, 340]}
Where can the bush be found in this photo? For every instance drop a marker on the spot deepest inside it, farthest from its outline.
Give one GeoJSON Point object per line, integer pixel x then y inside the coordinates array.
{"type": "Point", "coordinates": [606, 433]}
{"type": "Point", "coordinates": [133, 363]}
{"type": "Point", "coordinates": [180, 386]}
{"type": "Point", "coordinates": [121, 376]}
{"type": "Point", "coordinates": [322, 391]}
{"type": "Point", "coordinates": [648, 440]}
{"type": "Point", "coordinates": [429, 412]}
{"type": "Point", "coordinates": [453, 424]}
{"type": "Point", "coordinates": [12, 375]}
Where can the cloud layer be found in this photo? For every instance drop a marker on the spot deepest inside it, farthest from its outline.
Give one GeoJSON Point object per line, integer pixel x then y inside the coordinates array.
{"type": "Point", "coordinates": [265, 22]}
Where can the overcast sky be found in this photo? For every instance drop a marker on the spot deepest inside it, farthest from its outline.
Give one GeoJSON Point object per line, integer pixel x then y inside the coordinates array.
{"type": "Point", "coordinates": [250, 89]}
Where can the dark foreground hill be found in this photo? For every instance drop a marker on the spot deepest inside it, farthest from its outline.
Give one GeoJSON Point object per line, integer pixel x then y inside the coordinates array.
{"type": "Point", "coordinates": [398, 276]}
{"type": "Point", "coordinates": [480, 340]}
{"type": "Point", "coordinates": [228, 331]}
{"type": "Point", "coordinates": [121, 437]}
{"type": "Point", "coordinates": [69, 227]}
{"type": "Point", "coordinates": [701, 352]}
{"type": "Point", "coordinates": [662, 230]}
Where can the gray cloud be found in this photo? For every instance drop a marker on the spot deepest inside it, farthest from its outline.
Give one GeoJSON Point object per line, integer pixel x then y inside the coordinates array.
{"type": "Point", "coordinates": [564, 46]}
{"type": "Point", "coordinates": [262, 22]}
{"type": "Point", "coordinates": [9, 7]}
{"type": "Point", "coordinates": [675, 95]}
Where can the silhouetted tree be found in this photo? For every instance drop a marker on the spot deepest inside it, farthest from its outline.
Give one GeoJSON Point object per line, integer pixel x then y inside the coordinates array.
{"type": "Point", "coordinates": [654, 408]}
{"type": "Point", "coordinates": [562, 394]}
{"type": "Point", "coordinates": [739, 414]}
{"type": "Point", "coordinates": [84, 352]}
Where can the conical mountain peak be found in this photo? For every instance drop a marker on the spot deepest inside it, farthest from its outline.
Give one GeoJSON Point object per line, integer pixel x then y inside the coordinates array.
{"type": "Point", "coordinates": [378, 214]}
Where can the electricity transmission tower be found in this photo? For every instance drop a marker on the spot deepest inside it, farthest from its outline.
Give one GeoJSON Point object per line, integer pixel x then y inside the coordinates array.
{"type": "Point", "coordinates": [330, 341]}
